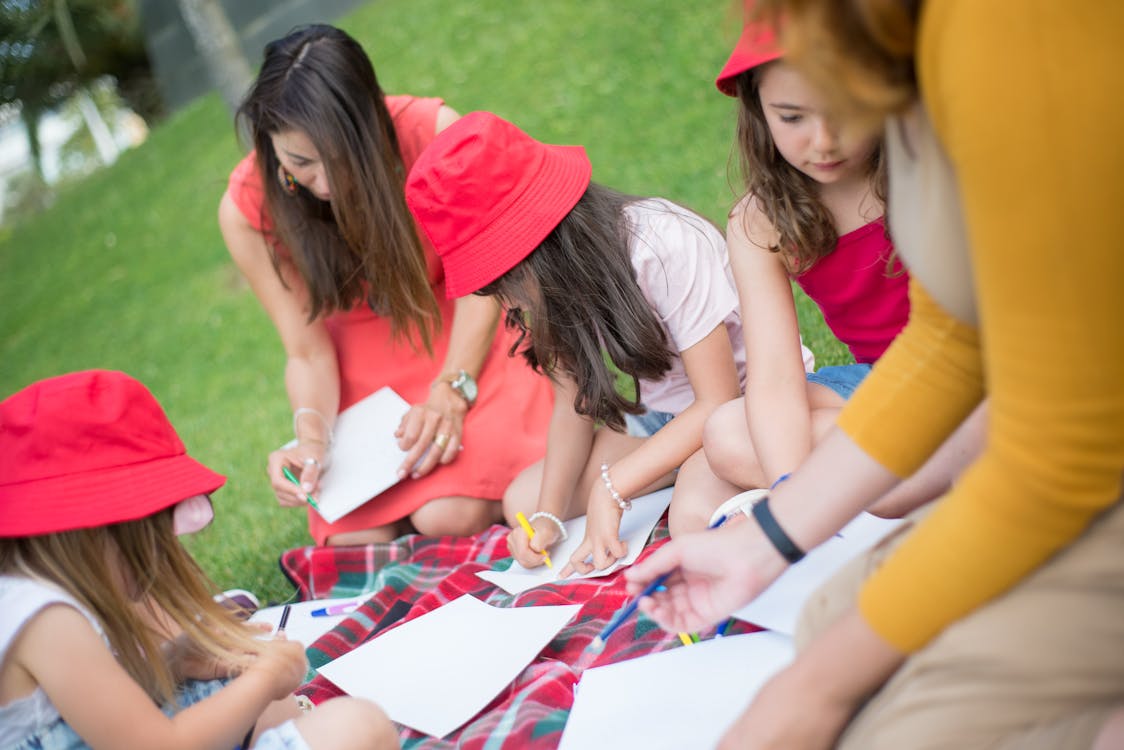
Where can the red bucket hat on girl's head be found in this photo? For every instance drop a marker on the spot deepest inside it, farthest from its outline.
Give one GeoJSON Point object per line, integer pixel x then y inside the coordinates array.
{"type": "Point", "coordinates": [486, 194]}
{"type": "Point", "coordinates": [89, 449]}
{"type": "Point", "coordinates": [756, 46]}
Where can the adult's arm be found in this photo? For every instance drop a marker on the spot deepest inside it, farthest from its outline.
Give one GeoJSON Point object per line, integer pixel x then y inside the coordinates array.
{"type": "Point", "coordinates": [1035, 144]}
{"type": "Point", "coordinates": [311, 369]}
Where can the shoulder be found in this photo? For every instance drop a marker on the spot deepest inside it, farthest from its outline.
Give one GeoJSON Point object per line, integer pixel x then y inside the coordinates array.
{"type": "Point", "coordinates": [25, 600]}
{"type": "Point", "coordinates": [660, 223]}
{"type": "Point", "coordinates": [748, 224]}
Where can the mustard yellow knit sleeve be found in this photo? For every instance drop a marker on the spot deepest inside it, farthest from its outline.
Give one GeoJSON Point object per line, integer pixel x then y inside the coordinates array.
{"type": "Point", "coordinates": [1025, 98]}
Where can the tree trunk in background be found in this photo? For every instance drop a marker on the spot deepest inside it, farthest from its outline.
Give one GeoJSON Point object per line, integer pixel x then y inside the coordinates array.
{"type": "Point", "coordinates": [218, 46]}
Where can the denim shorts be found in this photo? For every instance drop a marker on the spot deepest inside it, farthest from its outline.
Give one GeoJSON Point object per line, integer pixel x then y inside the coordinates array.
{"type": "Point", "coordinates": [843, 379]}
{"type": "Point", "coordinates": [59, 735]}
{"type": "Point", "coordinates": [646, 424]}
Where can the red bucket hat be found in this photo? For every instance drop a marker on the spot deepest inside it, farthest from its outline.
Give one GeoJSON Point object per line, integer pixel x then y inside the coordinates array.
{"type": "Point", "coordinates": [756, 46]}
{"type": "Point", "coordinates": [486, 194]}
{"type": "Point", "coordinates": [89, 449]}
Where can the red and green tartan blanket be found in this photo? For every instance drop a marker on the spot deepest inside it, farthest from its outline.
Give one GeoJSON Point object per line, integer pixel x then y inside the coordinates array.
{"type": "Point", "coordinates": [416, 574]}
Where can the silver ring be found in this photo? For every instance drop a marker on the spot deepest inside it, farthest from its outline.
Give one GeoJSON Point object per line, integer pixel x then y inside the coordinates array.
{"type": "Point", "coordinates": [310, 461]}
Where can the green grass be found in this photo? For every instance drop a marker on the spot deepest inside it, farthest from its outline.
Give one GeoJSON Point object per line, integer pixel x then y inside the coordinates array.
{"type": "Point", "coordinates": [128, 271]}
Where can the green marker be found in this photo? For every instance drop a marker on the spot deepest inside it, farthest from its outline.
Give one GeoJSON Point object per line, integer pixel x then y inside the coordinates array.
{"type": "Point", "coordinates": [292, 478]}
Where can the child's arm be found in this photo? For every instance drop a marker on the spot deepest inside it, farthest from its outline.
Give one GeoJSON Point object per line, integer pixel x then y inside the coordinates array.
{"type": "Point", "coordinates": [776, 391]}
{"type": "Point", "coordinates": [61, 652]}
{"type": "Point", "coordinates": [569, 440]}
{"type": "Point", "coordinates": [710, 368]}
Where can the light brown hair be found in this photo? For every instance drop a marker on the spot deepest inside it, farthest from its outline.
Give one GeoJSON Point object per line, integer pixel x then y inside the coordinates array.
{"type": "Point", "coordinates": [362, 246]}
{"type": "Point", "coordinates": [164, 581]}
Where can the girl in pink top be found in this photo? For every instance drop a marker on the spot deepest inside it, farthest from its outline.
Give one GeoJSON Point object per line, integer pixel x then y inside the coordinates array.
{"type": "Point", "coordinates": [812, 213]}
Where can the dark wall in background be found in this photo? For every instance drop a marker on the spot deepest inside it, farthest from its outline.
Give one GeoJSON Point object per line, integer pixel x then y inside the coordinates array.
{"type": "Point", "coordinates": [180, 73]}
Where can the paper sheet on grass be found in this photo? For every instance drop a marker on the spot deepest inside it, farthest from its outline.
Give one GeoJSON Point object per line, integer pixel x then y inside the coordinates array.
{"type": "Point", "coordinates": [778, 607]}
{"type": "Point", "coordinates": [438, 671]}
{"type": "Point", "coordinates": [365, 454]}
{"type": "Point", "coordinates": [685, 697]}
{"type": "Point", "coordinates": [302, 626]}
{"type": "Point", "coordinates": [636, 526]}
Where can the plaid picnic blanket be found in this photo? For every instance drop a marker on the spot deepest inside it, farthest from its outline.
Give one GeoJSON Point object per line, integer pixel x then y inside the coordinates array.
{"type": "Point", "coordinates": [416, 574]}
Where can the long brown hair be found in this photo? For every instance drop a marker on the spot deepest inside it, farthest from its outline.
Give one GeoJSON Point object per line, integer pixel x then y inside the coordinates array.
{"type": "Point", "coordinates": [362, 246]}
{"type": "Point", "coordinates": [789, 198]}
{"type": "Point", "coordinates": [860, 53]}
{"type": "Point", "coordinates": [575, 300]}
{"type": "Point", "coordinates": [165, 583]}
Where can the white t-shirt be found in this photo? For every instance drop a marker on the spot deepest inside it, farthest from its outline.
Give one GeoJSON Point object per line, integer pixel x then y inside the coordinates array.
{"type": "Point", "coordinates": [21, 599]}
{"type": "Point", "coordinates": [683, 271]}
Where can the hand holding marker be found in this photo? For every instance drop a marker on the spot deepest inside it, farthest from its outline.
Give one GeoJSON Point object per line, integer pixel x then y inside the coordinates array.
{"type": "Point", "coordinates": [293, 478]}
{"type": "Point", "coordinates": [531, 535]}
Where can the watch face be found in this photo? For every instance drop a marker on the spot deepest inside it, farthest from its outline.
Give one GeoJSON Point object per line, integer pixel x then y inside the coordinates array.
{"type": "Point", "coordinates": [467, 386]}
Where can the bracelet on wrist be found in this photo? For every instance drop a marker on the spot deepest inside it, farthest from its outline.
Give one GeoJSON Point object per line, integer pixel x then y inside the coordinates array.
{"type": "Point", "coordinates": [773, 531]}
{"type": "Point", "coordinates": [623, 503]}
{"type": "Point", "coordinates": [562, 533]}
{"type": "Point", "coordinates": [301, 411]}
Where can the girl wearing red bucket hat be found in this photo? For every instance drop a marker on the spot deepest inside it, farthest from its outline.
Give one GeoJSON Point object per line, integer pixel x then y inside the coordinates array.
{"type": "Point", "coordinates": [315, 220]}
{"type": "Point", "coordinates": [106, 617]}
{"type": "Point", "coordinates": [812, 213]}
{"type": "Point", "coordinates": [582, 269]}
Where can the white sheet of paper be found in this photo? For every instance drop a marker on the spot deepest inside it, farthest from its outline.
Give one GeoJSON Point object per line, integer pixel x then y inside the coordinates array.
{"type": "Point", "coordinates": [302, 626]}
{"type": "Point", "coordinates": [436, 672]}
{"type": "Point", "coordinates": [365, 454]}
{"type": "Point", "coordinates": [685, 697]}
{"type": "Point", "coordinates": [636, 525]}
{"type": "Point", "coordinates": [778, 607]}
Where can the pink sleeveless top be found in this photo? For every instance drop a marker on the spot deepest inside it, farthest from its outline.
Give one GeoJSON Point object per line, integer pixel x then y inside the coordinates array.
{"type": "Point", "coordinates": [864, 301]}
{"type": "Point", "coordinates": [504, 432]}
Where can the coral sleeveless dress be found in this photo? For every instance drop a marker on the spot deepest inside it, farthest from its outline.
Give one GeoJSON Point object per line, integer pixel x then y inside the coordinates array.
{"type": "Point", "coordinates": [864, 303]}
{"type": "Point", "coordinates": [504, 432]}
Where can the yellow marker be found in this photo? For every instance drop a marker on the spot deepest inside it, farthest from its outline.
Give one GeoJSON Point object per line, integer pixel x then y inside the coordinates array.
{"type": "Point", "coordinates": [686, 639]}
{"type": "Point", "coordinates": [531, 535]}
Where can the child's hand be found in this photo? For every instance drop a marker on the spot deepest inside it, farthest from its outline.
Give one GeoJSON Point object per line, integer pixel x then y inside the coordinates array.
{"type": "Point", "coordinates": [285, 664]}
{"type": "Point", "coordinates": [528, 552]}
{"type": "Point", "coordinates": [189, 662]}
{"type": "Point", "coordinates": [602, 535]}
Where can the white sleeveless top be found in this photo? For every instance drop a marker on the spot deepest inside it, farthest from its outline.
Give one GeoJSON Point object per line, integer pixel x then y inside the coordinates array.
{"type": "Point", "coordinates": [20, 600]}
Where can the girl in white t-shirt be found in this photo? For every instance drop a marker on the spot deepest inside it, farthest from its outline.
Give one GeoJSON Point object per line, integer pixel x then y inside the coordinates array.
{"type": "Point", "coordinates": [109, 635]}
{"type": "Point", "coordinates": [586, 273]}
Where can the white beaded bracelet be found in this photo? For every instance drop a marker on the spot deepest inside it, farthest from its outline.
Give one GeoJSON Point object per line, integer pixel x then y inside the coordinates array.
{"type": "Point", "coordinates": [622, 502]}
{"type": "Point", "coordinates": [309, 410]}
{"type": "Point", "coordinates": [562, 534]}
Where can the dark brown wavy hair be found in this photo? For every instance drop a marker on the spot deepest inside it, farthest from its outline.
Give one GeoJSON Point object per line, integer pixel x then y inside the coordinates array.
{"type": "Point", "coordinates": [575, 301]}
{"type": "Point", "coordinates": [362, 246]}
{"type": "Point", "coordinates": [788, 197]}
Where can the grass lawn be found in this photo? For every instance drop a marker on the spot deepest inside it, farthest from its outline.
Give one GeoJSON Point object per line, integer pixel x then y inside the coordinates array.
{"type": "Point", "coordinates": [128, 271]}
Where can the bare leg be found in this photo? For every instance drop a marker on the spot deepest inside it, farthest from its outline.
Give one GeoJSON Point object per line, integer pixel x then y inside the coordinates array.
{"type": "Point", "coordinates": [1112, 733]}
{"type": "Point", "coordinates": [387, 533]}
{"type": "Point", "coordinates": [456, 516]}
{"type": "Point", "coordinates": [347, 723]}
{"type": "Point", "coordinates": [937, 474]}
{"type": "Point", "coordinates": [698, 491]}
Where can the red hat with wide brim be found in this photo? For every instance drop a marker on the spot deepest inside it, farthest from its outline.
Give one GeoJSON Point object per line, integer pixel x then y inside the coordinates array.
{"type": "Point", "coordinates": [89, 449]}
{"type": "Point", "coordinates": [757, 45]}
{"type": "Point", "coordinates": [486, 194]}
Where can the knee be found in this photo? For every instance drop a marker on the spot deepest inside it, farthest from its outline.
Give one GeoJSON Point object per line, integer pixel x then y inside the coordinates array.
{"type": "Point", "coordinates": [346, 723]}
{"type": "Point", "coordinates": [455, 516]}
{"type": "Point", "coordinates": [726, 443]}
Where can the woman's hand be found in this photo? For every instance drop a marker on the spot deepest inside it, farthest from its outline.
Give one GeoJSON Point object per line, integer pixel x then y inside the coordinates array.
{"type": "Point", "coordinates": [431, 433]}
{"type": "Point", "coordinates": [307, 462]}
{"type": "Point", "coordinates": [528, 552]}
{"type": "Point", "coordinates": [809, 704]}
{"type": "Point", "coordinates": [602, 534]}
{"type": "Point", "coordinates": [713, 573]}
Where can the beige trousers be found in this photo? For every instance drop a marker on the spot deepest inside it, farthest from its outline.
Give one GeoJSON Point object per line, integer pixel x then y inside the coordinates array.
{"type": "Point", "coordinates": [1040, 667]}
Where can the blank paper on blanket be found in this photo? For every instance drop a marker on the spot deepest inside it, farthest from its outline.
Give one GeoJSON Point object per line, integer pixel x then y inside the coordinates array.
{"type": "Point", "coordinates": [685, 697]}
{"type": "Point", "coordinates": [436, 672]}
{"type": "Point", "coordinates": [778, 607]}
{"type": "Point", "coordinates": [636, 527]}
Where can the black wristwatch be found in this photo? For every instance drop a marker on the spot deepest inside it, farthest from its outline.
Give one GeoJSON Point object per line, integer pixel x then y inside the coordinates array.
{"type": "Point", "coordinates": [463, 383]}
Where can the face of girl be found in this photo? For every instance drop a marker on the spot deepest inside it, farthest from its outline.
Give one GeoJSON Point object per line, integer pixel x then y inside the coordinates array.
{"type": "Point", "coordinates": [301, 159]}
{"type": "Point", "coordinates": [803, 135]}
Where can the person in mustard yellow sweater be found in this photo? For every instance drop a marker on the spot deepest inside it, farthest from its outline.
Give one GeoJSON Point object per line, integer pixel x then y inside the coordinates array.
{"type": "Point", "coordinates": [996, 618]}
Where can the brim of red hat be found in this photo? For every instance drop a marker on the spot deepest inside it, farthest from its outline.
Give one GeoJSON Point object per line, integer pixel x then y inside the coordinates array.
{"type": "Point", "coordinates": [562, 178]}
{"type": "Point", "coordinates": [756, 46]}
{"type": "Point", "coordinates": [99, 498]}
